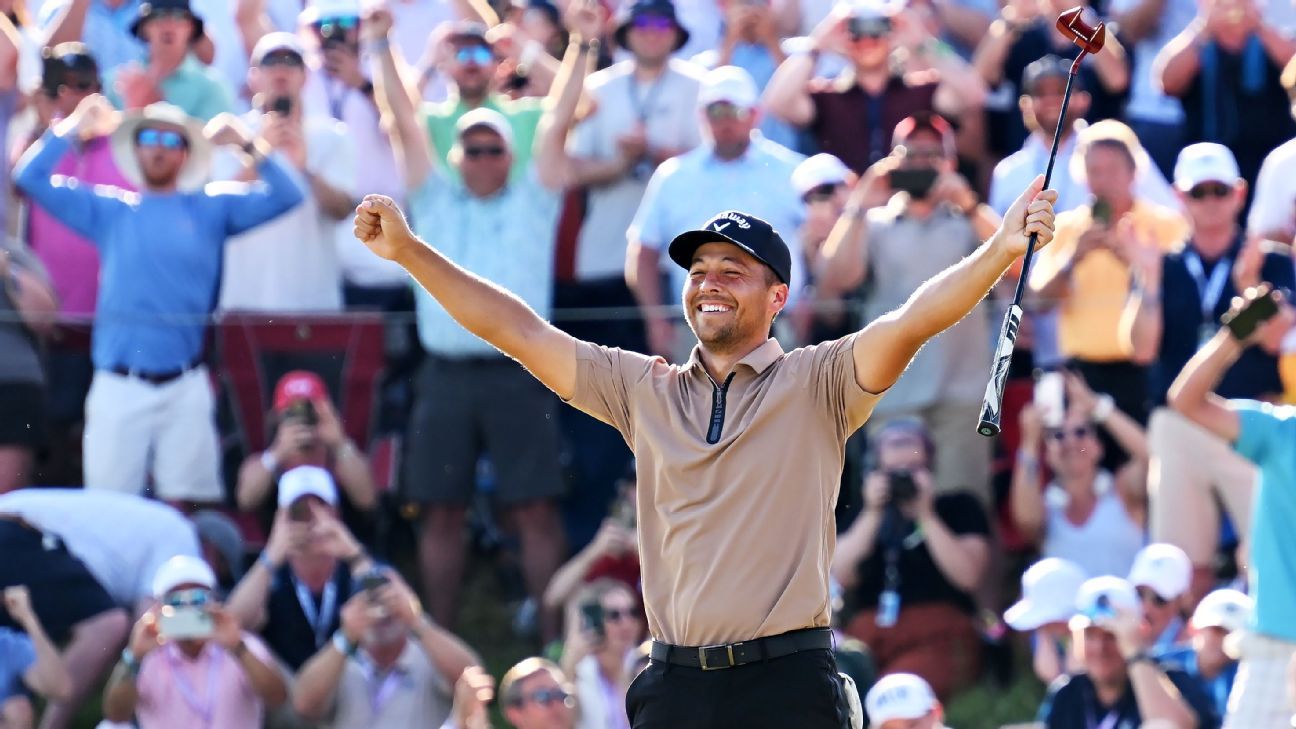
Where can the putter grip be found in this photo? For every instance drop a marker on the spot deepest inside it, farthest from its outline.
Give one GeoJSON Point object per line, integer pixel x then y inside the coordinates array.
{"type": "Point", "coordinates": [992, 406]}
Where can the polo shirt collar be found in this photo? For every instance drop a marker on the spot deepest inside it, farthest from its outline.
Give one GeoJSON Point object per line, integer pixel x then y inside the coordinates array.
{"type": "Point", "coordinates": [759, 359]}
{"type": "Point", "coordinates": [490, 102]}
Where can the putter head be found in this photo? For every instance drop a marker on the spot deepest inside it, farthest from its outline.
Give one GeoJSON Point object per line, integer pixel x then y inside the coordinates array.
{"type": "Point", "coordinates": [1090, 38]}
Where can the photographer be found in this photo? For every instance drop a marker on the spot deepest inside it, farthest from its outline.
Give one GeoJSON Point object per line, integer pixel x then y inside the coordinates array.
{"type": "Point", "coordinates": [604, 626]}
{"type": "Point", "coordinates": [290, 264]}
{"type": "Point", "coordinates": [1263, 435]}
{"type": "Point", "coordinates": [307, 431]}
{"type": "Point", "coordinates": [189, 663]}
{"type": "Point", "coordinates": [388, 665]}
{"type": "Point", "coordinates": [612, 554]}
{"type": "Point", "coordinates": [932, 221]}
{"type": "Point", "coordinates": [910, 562]}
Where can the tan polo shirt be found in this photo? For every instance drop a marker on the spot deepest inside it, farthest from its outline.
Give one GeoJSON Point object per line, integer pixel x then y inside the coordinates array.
{"type": "Point", "coordinates": [737, 482]}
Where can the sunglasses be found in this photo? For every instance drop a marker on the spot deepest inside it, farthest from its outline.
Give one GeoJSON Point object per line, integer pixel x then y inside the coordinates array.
{"type": "Point", "coordinates": [614, 615]}
{"type": "Point", "coordinates": [90, 85]}
{"type": "Point", "coordinates": [722, 110]}
{"type": "Point", "coordinates": [1148, 595]}
{"type": "Point", "coordinates": [474, 55]}
{"type": "Point", "coordinates": [544, 697]}
{"type": "Point", "coordinates": [1079, 432]}
{"type": "Point", "coordinates": [343, 22]}
{"type": "Point", "coordinates": [821, 193]}
{"type": "Point", "coordinates": [652, 22]}
{"type": "Point", "coordinates": [494, 152]}
{"type": "Point", "coordinates": [164, 138]}
{"type": "Point", "coordinates": [283, 58]}
{"type": "Point", "coordinates": [1210, 189]}
{"type": "Point", "coordinates": [187, 598]}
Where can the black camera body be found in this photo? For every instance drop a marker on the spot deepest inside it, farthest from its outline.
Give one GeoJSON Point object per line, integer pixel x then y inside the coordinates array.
{"type": "Point", "coordinates": [901, 488]}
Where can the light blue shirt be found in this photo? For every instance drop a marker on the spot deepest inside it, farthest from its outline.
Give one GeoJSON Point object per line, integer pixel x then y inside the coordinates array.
{"type": "Point", "coordinates": [507, 238]}
{"type": "Point", "coordinates": [688, 190]}
{"type": "Point", "coordinates": [16, 656]}
{"type": "Point", "coordinates": [1267, 437]}
{"type": "Point", "coordinates": [757, 60]}
{"type": "Point", "coordinates": [106, 33]}
{"type": "Point", "coordinates": [160, 254]}
{"type": "Point", "coordinates": [197, 89]}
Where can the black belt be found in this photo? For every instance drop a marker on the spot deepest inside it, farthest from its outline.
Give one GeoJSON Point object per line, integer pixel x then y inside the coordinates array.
{"type": "Point", "coordinates": [157, 378]}
{"type": "Point", "coordinates": [714, 657]}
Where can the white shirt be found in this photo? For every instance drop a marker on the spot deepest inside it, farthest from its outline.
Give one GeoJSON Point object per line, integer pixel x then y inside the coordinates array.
{"type": "Point", "coordinates": [123, 539]}
{"type": "Point", "coordinates": [291, 263]}
{"type": "Point", "coordinates": [231, 58]}
{"type": "Point", "coordinates": [1105, 544]}
{"type": "Point", "coordinates": [687, 191]}
{"type": "Point", "coordinates": [414, 694]}
{"type": "Point", "coordinates": [668, 107]}
{"type": "Point", "coordinates": [1146, 101]}
{"type": "Point", "coordinates": [1274, 206]}
{"type": "Point", "coordinates": [375, 172]}
{"type": "Point", "coordinates": [414, 23]}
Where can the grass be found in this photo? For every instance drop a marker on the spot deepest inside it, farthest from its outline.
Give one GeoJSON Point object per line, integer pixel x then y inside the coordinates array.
{"type": "Point", "coordinates": [990, 706]}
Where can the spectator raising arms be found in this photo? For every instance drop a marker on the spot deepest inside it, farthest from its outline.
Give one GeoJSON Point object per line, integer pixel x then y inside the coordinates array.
{"type": "Point", "coordinates": [29, 662]}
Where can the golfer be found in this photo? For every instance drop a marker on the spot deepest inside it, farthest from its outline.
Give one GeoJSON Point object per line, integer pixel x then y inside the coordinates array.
{"type": "Point", "coordinates": [739, 452]}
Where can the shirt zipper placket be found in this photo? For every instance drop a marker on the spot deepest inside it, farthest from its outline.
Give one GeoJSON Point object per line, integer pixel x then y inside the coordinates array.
{"type": "Point", "coordinates": [718, 395]}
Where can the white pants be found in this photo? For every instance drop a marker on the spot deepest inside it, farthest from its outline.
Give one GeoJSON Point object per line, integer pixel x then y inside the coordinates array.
{"type": "Point", "coordinates": [1259, 697]}
{"type": "Point", "coordinates": [134, 429]}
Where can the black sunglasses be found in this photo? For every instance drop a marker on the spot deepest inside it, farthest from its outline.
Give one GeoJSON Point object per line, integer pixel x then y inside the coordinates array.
{"type": "Point", "coordinates": [1147, 594]}
{"type": "Point", "coordinates": [544, 697]}
{"type": "Point", "coordinates": [1210, 189]}
{"type": "Point", "coordinates": [83, 85]}
{"type": "Point", "coordinates": [1078, 432]}
{"type": "Point", "coordinates": [476, 152]}
{"type": "Point", "coordinates": [283, 58]}
{"type": "Point", "coordinates": [822, 192]}
{"type": "Point", "coordinates": [614, 615]}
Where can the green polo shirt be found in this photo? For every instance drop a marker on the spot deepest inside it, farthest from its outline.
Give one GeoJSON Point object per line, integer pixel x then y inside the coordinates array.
{"type": "Point", "coordinates": [523, 115]}
{"type": "Point", "coordinates": [197, 89]}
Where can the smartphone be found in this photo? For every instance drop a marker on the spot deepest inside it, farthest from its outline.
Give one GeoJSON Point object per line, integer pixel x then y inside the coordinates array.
{"type": "Point", "coordinates": [1101, 211]}
{"type": "Point", "coordinates": [592, 618]}
{"type": "Point", "coordinates": [372, 580]}
{"type": "Point", "coordinates": [1244, 323]}
{"type": "Point", "coordinates": [302, 411]}
{"type": "Point", "coordinates": [868, 27]}
{"type": "Point", "coordinates": [184, 622]}
{"type": "Point", "coordinates": [1050, 398]}
{"type": "Point", "coordinates": [300, 511]}
{"type": "Point", "coordinates": [916, 182]}
{"type": "Point", "coordinates": [282, 105]}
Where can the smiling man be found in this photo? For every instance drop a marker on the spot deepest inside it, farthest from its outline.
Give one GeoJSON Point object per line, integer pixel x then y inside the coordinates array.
{"type": "Point", "coordinates": [738, 451]}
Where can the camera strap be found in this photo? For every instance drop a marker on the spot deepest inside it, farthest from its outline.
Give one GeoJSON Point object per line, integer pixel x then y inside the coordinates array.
{"type": "Point", "coordinates": [320, 620]}
{"type": "Point", "coordinates": [205, 708]}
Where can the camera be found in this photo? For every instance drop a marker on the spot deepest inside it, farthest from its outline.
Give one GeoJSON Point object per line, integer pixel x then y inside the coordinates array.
{"type": "Point", "coordinates": [281, 105]}
{"type": "Point", "coordinates": [917, 182]}
{"type": "Point", "coordinates": [302, 411]}
{"type": "Point", "coordinates": [868, 27]}
{"type": "Point", "coordinates": [901, 488]}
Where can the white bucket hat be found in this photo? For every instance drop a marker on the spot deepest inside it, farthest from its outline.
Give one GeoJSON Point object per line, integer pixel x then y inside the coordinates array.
{"type": "Point", "coordinates": [198, 164]}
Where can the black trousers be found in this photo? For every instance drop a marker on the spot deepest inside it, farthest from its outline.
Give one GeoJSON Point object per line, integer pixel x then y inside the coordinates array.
{"type": "Point", "coordinates": [800, 691]}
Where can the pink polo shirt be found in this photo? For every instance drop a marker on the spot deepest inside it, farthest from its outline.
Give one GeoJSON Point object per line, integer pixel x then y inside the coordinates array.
{"type": "Point", "coordinates": [209, 692]}
{"type": "Point", "coordinates": [73, 261]}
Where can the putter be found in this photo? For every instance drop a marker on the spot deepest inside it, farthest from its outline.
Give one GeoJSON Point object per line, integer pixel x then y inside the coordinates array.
{"type": "Point", "coordinates": [1090, 38]}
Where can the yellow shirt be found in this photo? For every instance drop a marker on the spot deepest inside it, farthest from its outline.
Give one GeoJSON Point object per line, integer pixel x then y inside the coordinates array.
{"type": "Point", "coordinates": [1089, 315]}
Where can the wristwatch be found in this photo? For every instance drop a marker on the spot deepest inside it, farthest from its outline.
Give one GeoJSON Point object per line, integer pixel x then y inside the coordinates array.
{"type": "Point", "coordinates": [1140, 657]}
{"type": "Point", "coordinates": [130, 662]}
{"type": "Point", "coordinates": [344, 645]}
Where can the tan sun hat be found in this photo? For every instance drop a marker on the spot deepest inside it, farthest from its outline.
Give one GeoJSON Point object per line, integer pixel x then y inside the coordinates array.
{"type": "Point", "coordinates": [197, 165]}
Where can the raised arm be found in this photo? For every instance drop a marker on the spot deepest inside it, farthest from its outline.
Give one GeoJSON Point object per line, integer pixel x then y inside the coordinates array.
{"type": "Point", "coordinates": [69, 24]}
{"type": "Point", "coordinates": [884, 348]}
{"type": "Point", "coordinates": [1141, 321]}
{"type": "Point", "coordinates": [553, 165]}
{"type": "Point", "coordinates": [395, 98]}
{"type": "Point", "coordinates": [1193, 392]}
{"type": "Point", "coordinates": [315, 687]}
{"type": "Point", "coordinates": [48, 676]}
{"type": "Point", "coordinates": [842, 262]}
{"type": "Point", "coordinates": [1113, 66]}
{"type": "Point", "coordinates": [1176, 65]}
{"type": "Point", "coordinates": [253, 22]}
{"type": "Point", "coordinates": [1026, 497]}
{"type": "Point", "coordinates": [481, 307]}
{"type": "Point", "coordinates": [1140, 20]}
{"type": "Point", "coordinates": [787, 95]}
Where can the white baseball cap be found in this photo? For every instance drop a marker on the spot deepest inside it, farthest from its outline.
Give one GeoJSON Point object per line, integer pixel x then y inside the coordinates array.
{"type": "Point", "coordinates": [899, 696]}
{"type": "Point", "coordinates": [277, 41]}
{"type": "Point", "coordinates": [1227, 609]}
{"type": "Point", "coordinates": [317, 9]}
{"type": "Point", "coordinates": [821, 169]}
{"type": "Point", "coordinates": [182, 570]}
{"type": "Point", "coordinates": [875, 8]}
{"type": "Point", "coordinates": [1049, 590]}
{"type": "Point", "coordinates": [489, 118]}
{"type": "Point", "coordinates": [1102, 598]}
{"type": "Point", "coordinates": [1163, 567]}
{"type": "Point", "coordinates": [731, 84]}
{"type": "Point", "coordinates": [1205, 162]}
{"type": "Point", "coordinates": [307, 481]}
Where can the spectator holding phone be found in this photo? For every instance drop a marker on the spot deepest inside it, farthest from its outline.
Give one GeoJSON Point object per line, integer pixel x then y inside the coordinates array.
{"type": "Point", "coordinates": [294, 592]}
{"type": "Point", "coordinates": [1085, 514]}
{"type": "Point", "coordinates": [307, 431]}
{"type": "Point", "coordinates": [29, 662]}
{"type": "Point", "coordinates": [290, 264]}
{"type": "Point", "coordinates": [933, 220]}
{"type": "Point", "coordinates": [604, 627]}
{"type": "Point", "coordinates": [612, 554]}
{"type": "Point", "coordinates": [1162, 575]}
{"type": "Point", "coordinates": [1262, 434]}
{"type": "Point", "coordinates": [189, 663]}
{"type": "Point", "coordinates": [910, 564]}
{"type": "Point", "coordinates": [388, 665]}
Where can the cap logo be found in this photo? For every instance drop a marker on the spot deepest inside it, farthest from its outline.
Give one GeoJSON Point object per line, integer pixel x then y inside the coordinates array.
{"type": "Point", "coordinates": [717, 226]}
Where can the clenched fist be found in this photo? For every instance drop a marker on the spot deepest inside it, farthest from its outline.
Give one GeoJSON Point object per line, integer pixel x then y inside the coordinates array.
{"type": "Point", "coordinates": [381, 225]}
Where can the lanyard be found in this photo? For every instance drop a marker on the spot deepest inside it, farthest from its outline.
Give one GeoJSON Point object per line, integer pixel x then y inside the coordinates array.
{"type": "Point", "coordinates": [320, 620]}
{"type": "Point", "coordinates": [205, 709]}
{"type": "Point", "coordinates": [380, 691]}
{"type": "Point", "coordinates": [1109, 719]}
{"type": "Point", "coordinates": [643, 106]}
{"type": "Point", "coordinates": [1209, 290]}
{"type": "Point", "coordinates": [336, 102]}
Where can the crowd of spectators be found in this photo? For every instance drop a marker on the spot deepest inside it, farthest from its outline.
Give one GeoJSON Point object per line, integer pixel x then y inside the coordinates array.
{"type": "Point", "coordinates": [175, 166]}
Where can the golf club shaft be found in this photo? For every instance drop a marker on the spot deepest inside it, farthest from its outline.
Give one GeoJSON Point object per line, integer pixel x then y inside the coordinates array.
{"type": "Point", "coordinates": [992, 404]}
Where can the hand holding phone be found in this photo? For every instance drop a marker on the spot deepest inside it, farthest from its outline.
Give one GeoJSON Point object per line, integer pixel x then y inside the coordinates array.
{"type": "Point", "coordinates": [1050, 398]}
{"type": "Point", "coordinates": [592, 619]}
{"type": "Point", "coordinates": [1258, 306]}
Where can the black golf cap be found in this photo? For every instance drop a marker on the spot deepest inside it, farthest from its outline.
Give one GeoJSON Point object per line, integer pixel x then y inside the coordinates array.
{"type": "Point", "coordinates": [1048, 67]}
{"type": "Point", "coordinates": [748, 232]}
{"type": "Point", "coordinates": [64, 59]}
